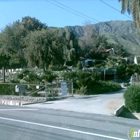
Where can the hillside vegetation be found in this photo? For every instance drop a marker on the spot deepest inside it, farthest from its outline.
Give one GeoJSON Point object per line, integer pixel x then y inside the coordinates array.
{"type": "Point", "coordinates": [30, 43]}
{"type": "Point", "coordinates": [118, 32]}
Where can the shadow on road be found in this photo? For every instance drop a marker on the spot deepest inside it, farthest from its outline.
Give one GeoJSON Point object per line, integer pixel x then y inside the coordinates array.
{"type": "Point", "coordinates": [47, 103]}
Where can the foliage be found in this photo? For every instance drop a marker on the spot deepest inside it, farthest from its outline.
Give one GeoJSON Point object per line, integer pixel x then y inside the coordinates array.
{"type": "Point", "coordinates": [138, 60]}
{"type": "Point", "coordinates": [7, 89]}
{"type": "Point", "coordinates": [132, 98]}
{"type": "Point", "coordinates": [112, 62]}
{"type": "Point", "coordinates": [32, 77]}
{"type": "Point", "coordinates": [104, 87]}
{"type": "Point", "coordinates": [44, 47]}
{"type": "Point", "coordinates": [4, 60]}
{"type": "Point", "coordinates": [79, 66]}
{"type": "Point", "coordinates": [126, 70]}
{"type": "Point", "coordinates": [121, 72]}
{"type": "Point", "coordinates": [132, 6]}
{"type": "Point", "coordinates": [58, 68]}
{"type": "Point", "coordinates": [30, 43]}
{"type": "Point", "coordinates": [95, 45]}
{"type": "Point", "coordinates": [70, 76]}
{"type": "Point", "coordinates": [49, 76]}
{"type": "Point", "coordinates": [14, 81]}
{"type": "Point", "coordinates": [22, 74]}
{"type": "Point", "coordinates": [84, 80]}
{"type": "Point", "coordinates": [132, 68]}
{"type": "Point", "coordinates": [29, 76]}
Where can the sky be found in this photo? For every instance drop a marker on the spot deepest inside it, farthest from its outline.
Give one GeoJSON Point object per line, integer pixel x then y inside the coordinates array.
{"type": "Point", "coordinates": [61, 13]}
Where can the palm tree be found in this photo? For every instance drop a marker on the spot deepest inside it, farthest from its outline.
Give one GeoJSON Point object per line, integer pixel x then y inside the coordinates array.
{"type": "Point", "coordinates": [132, 6]}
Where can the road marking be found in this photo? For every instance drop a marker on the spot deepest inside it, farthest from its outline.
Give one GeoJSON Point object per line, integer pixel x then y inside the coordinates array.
{"type": "Point", "coordinates": [16, 109]}
{"type": "Point", "coordinates": [62, 128]}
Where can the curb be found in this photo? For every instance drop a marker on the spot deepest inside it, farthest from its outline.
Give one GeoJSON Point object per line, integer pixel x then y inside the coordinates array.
{"type": "Point", "coordinates": [33, 103]}
{"type": "Point", "coordinates": [48, 100]}
{"type": "Point", "coordinates": [119, 110]}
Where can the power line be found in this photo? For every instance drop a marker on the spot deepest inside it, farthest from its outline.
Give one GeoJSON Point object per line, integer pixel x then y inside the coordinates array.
{"type": "Point", "coordinates": [77, 11]}
{"type": "Point", "coordinates": [66, 8]}
{"type": "Point", "coordinates": [114, 8]}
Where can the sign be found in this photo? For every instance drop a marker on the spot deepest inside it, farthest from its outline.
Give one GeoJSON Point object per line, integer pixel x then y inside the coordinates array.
{"type": "Point", "coordinates": [64, 88]}
{"type": "Point", "coordinates": [20, 88]}
{"type": "Point", "coordinates": [16, 88]}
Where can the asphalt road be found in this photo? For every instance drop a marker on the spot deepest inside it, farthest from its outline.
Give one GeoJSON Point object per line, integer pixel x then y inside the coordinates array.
{"type": "Point", "coordinates": [104, 104]}
{"type": "Point", "coordinates": [24, 123]}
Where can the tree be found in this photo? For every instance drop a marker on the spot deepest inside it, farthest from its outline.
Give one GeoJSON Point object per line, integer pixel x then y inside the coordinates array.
{"type": "Point", "coordinates": [113, 62]}
{"type": "Point", "coordinates": [70, 47]}
{"type": "Point", "coordinates": [4, 59]}
{"type": "Point", "coordinates": [12, 39]}
{"type": "Point", "coordinates": [132, 6]}
{"type": "Point", "coordinates": [132, 68]}
{"type": "Point", "coordinates": [11, 43]}
{"type": "Point", "coordinates": [39, 49]}
{"type": "Point", "coordinates": [121, 72]}
{"type": "Point", "coordinates": [32, 24]}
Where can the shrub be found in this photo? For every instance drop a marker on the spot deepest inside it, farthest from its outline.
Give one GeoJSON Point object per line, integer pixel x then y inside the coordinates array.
{"type": "Point", "coordinates": [70, 75]}
{"type": "Point", "coordinates": [57, 68]}
{"type": "Point", "coordinates": [23, 73]}
{"type": "Point", "coordinates": [7, 89]}
{"type": "Point", "coordinates": [121, 72]}
{"type": "Point", "coordinates": [79, 66]}
{"type": "Point", "coordinates": [89, 83]}
{"type": "Point", "coordinates": [104, 87]}
{"type": "Point", "coordinates": [49, 76]}
{"type": "Point", "coordinates": [132, 98]}
{"type": "Point", "coordinates": [29, 76]}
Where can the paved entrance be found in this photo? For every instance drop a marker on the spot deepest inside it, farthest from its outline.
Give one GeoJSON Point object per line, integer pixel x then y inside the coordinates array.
{"type": "Point", "coordinates": [100, 104]}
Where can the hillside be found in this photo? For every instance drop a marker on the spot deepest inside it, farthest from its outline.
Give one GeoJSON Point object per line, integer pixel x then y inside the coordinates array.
{"type": "Point", "coordinates": [121, 32]}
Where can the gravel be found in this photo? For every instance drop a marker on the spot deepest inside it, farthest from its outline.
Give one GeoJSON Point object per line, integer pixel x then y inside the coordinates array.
{"type": "Point", "coordinates": [26, 99]}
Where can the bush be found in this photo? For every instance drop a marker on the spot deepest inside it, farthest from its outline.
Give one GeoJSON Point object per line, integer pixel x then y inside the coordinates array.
{"type": "Point", "coordinates": [89, 83]}
{"type": "Point", "coordinates": [7, 89]}
{"type": "Point", "coordinates": [132, 98]}
{"type": "Point", "coordinates": [79, 66]}
{"type": "Point", "coordinates": [23, 73]}
{"type": "Point", "coordinates": [57, 68]}
{"type": "Point", "coordinates": [29, 76]}
{"type": "Point", "coordinates": [49, 76]}
{"type": "Point", "coordinates": [104, 87]}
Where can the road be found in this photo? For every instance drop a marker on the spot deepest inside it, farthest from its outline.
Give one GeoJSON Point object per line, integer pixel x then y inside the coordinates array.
{"type": "Point", "coordinates": [104, 104]}
{"type": "Point", "coordinates": [24, 123]}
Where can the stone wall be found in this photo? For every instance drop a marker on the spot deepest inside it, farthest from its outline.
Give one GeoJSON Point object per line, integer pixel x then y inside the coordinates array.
{"type": "Point", "coordinates": [17, 100]}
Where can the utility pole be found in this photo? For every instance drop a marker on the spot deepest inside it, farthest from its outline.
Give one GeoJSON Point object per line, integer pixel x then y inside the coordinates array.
{"type": "Point", "coordinates": [46, 90]}
{"type": "Point", "coordinates": [72, 87]}
{"type": "Point", "coordinates": [20, 98]}
{"type": "Point", "coordinates": [3, 74]}
{"type": "Point", "coordinates": [104, 73]}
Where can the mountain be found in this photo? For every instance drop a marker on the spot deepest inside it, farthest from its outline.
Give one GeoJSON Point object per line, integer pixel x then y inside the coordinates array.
{"type": "Point", "coordinates": [120, 32]}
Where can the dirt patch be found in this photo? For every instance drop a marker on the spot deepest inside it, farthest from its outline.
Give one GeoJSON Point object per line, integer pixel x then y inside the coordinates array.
{"type": "Point", "coordinates": [113, 105]}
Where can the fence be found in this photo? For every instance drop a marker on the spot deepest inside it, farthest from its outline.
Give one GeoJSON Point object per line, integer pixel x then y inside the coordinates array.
{"type": "Point", "coordinates": [19, 94]}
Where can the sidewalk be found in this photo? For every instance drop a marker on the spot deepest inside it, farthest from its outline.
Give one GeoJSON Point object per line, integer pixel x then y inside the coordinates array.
{"type": "Point", "coordinates": [99, 104]}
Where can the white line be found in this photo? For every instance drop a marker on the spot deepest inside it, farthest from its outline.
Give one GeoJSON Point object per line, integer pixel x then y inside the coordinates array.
{"type": "Point", "coordinates": [15, 109]}
{"type": "Point", "coordinates": [61, 128]}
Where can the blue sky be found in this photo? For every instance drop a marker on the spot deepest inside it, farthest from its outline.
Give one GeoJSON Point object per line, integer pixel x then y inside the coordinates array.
{"type": "Point", "coordinates": [56, 13]}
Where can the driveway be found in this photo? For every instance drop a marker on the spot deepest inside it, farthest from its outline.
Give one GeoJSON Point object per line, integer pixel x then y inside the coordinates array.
{"type": "Point", "coordinates": [104, 104]}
